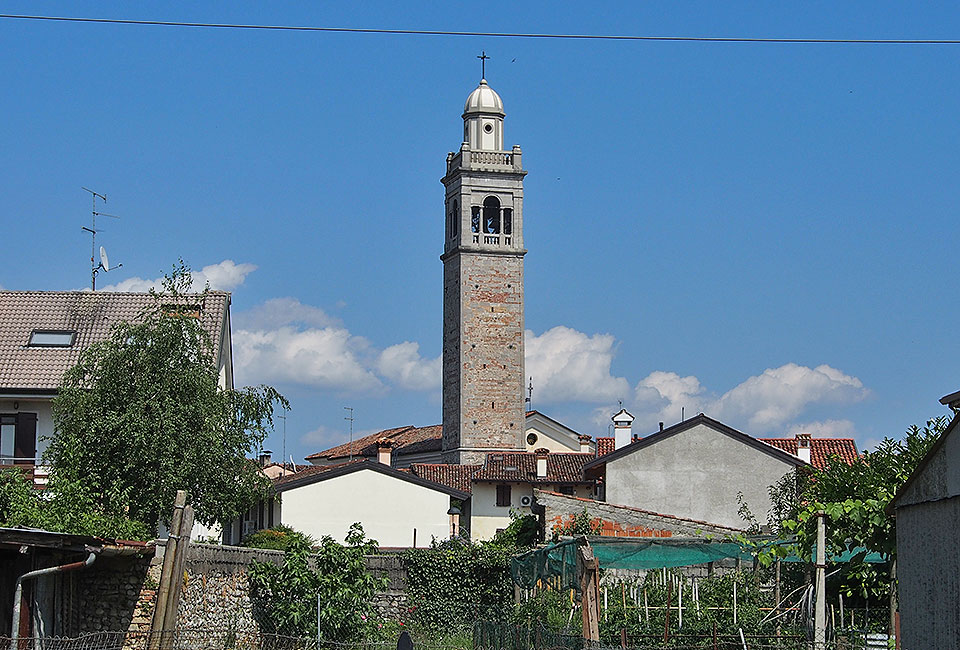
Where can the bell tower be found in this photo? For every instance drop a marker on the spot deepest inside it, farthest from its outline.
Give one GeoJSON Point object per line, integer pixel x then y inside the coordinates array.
{"type": "Point", "coordinates": [483, 406]}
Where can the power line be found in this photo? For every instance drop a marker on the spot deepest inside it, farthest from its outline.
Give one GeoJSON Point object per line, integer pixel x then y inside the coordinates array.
{"type": "Point", "coordinates": [431, 32]}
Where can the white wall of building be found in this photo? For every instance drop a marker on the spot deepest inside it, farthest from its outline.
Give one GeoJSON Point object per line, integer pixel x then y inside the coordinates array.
{"type": "Point", "coordinates": [696, 474]}
{"type": "Point", "coordinates": [42, 407]}
{"type": "Point", "coordinates": [389, 509]}
{"type": "Point", "coordinates": [486, 517]}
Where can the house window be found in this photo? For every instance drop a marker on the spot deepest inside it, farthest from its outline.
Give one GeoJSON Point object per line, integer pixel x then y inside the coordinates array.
{"type": "Point", "coordinates": [52, 338]}
{"type": "Point", "coordinates": [503, 496]}
{"type": "Point", "coordinates": [18, 438]}
{"type": "Point", "coordinates": [566, 489]}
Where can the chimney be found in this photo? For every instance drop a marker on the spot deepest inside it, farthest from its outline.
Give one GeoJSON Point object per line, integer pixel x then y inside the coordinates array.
{"type": "Point", "coordinates": [661, 426]}
{"type": "Point", "coordinates": [622, 434]}
{"type": "Point", "coordinates": [585, 441]}
{"type": "Point", "coordinates": [542, 454]}
{"type": "Point", "coordinates": [383, 451]}
{"type": "Point", "coordinates": [264, 457]}
{"type": "Point", "coordinates": [803, 447]}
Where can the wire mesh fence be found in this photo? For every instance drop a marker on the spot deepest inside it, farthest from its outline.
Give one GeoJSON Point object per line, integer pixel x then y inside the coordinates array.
{"type": "Point", "coordinates": [482, 636]}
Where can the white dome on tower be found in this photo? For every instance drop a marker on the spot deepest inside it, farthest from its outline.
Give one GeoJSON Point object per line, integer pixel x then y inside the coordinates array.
{"type": "Point", "coordinates": [483, 99]}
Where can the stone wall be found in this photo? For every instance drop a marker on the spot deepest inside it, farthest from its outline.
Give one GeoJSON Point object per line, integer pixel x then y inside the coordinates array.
{"type": "Point", "coordinates": [118, 593]}
{"type": "Point", "coordinates": [392, 602]}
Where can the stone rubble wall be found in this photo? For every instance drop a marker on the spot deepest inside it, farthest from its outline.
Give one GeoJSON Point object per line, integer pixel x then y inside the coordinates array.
{"type": "Point", "coordinates": [118, 593]}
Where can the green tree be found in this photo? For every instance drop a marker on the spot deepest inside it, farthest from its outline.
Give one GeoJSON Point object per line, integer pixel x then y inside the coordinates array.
{"type": "Point", "coordinates": [854, 497]}
{"type": "Point", "coordinates": [141, 416]}
{"type": "Point", "coordinates": [65, 506]}
{"type": "Point", "coordinates": [335, 575]}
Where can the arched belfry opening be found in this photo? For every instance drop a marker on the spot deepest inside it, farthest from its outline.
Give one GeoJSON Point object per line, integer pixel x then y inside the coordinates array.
{"type": "Point", "coordinates": [483, 323]}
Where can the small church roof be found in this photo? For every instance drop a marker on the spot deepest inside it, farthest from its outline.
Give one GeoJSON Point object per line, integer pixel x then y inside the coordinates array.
{"type": "Point", "coordinates": [483, 99]}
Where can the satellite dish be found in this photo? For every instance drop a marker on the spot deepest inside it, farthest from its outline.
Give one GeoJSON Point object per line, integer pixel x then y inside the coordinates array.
{"type": "Point", "coordinates": [104, 262]}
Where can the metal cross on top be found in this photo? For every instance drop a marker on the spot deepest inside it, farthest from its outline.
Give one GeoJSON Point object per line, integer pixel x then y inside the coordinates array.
{"type": "Point", "coordinates": [483, 64]}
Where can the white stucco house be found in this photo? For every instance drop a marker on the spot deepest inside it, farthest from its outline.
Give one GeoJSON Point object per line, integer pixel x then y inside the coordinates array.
{"type": "Point", "coordinates": [396, 507]}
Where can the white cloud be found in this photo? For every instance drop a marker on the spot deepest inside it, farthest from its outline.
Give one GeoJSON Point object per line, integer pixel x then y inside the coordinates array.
{"type": "Point", "coordinates": [223, 276]}
{"type": "Point", "coordinates": [329, 357]}
{"type": "Point", "coordinates": [403, 365]}
{"type": "Point", "coordinates": [780, 394]}
{"type": "Point", "coordinates": [762, 402]}
{"type": "Point", "coordinates": [569, 365]}
{"type": "Point", "coordinates": [825, 429]}
{"type": "Point", "coordinates": [278, 312]}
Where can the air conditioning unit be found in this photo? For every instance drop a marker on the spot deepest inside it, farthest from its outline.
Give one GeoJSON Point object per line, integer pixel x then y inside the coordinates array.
{"type": "Point", "coordinates": [526, 501]}
{"type": "Point", "coordinates": [248, 527]}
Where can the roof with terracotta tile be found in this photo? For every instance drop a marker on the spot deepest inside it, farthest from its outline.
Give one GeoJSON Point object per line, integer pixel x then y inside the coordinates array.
{"type": "Point", "coordinates": [521, 467]}
{"type": "Point", "coordinates": [319, 473]}
{"type": "Point", "coordinates": [406, 440]}
{"type": "Point", "coordinates": [456, 476]}
{"type": "Point", "coordinates": [605, 445]}
{"type": "Point", "coordinates": [820, 449]}
{"type": "Point", "coordinates": [91, 315]}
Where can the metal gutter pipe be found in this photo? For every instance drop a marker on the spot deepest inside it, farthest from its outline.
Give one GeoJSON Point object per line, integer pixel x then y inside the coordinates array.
{"type": "Point", "coordinates": [18, 592]}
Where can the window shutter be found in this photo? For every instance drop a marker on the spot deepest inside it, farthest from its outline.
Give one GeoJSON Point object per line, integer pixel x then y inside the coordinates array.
{"type": "Point", "coordinates": [25, 438]}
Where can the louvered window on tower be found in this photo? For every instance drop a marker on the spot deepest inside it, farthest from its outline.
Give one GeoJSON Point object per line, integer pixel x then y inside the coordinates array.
{"type": "Point", "coordinates": [507, 221]}
{"type": "Point", "coordinates": [475, 219]}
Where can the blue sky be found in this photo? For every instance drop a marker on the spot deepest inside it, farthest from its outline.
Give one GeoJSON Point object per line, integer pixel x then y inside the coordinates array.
{"type": "Point", "coordinates": [764, 232]}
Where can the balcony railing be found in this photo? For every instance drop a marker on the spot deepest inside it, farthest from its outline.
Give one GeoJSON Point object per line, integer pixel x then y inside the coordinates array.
{"type": "Point", "coordinates": [38, 474]}
{"type": "Point", "coordinates": [496, 160]}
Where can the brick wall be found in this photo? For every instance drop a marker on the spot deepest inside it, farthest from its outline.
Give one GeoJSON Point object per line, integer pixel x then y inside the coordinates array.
{"type": "Point", "coordinates": [483, 353]}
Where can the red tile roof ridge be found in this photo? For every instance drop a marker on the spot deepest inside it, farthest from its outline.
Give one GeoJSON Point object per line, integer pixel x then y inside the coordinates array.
{"type": "Point", "coordinates": [641, 510]}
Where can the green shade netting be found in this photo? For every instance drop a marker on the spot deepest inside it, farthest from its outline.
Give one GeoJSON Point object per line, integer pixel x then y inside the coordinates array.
{"type": "Point", "coordinates": [557, 562]}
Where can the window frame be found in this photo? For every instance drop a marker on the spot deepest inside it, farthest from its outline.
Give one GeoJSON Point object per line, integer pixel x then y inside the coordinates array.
{"type": "Point", "coordinates": [504, 495]}
{"type": "Point", "coordinates": [50, 332]}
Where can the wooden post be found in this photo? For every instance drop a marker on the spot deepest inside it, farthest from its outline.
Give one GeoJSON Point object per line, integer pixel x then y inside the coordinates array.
{"type": "Point", "coordinates": [166, 572]}
{"type": "Point", "coordinates": [589, 568]}
{"type": "Point", "coordinates": [176, 584]}
{"type": "Point", "coordinates": [623, 638]}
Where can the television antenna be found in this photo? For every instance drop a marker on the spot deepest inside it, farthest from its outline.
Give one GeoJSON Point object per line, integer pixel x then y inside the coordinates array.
{"type": "Point", "coordinates": [104, 264]}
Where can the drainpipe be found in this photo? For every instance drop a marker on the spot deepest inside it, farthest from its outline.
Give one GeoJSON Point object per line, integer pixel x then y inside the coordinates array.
{"type": "Point", "coordinates": [18, 591]}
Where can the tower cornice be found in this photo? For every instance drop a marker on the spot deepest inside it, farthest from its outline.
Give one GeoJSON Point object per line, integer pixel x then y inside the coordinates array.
{"type": "Point", "coordinates": [479, 250]}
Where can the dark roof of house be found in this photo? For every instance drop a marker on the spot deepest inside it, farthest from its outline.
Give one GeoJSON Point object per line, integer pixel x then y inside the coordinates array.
{"type": "Point", "coordinates": [318, 473]}
{"type": "Point", "coordinates": [459, 477]}
{"type": "Point", "coordinates": [821, 449]}
{"type": "Point", "coordinates": [952, 400]}
{"type": "Point", "coordinates": [689, 424]}
{"type": "Point", "coordinates": [521, 467]}
{"type": "Point", "coordinates": [91, 315]}
{"type": "Point", "coordinates": [405, 440]}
